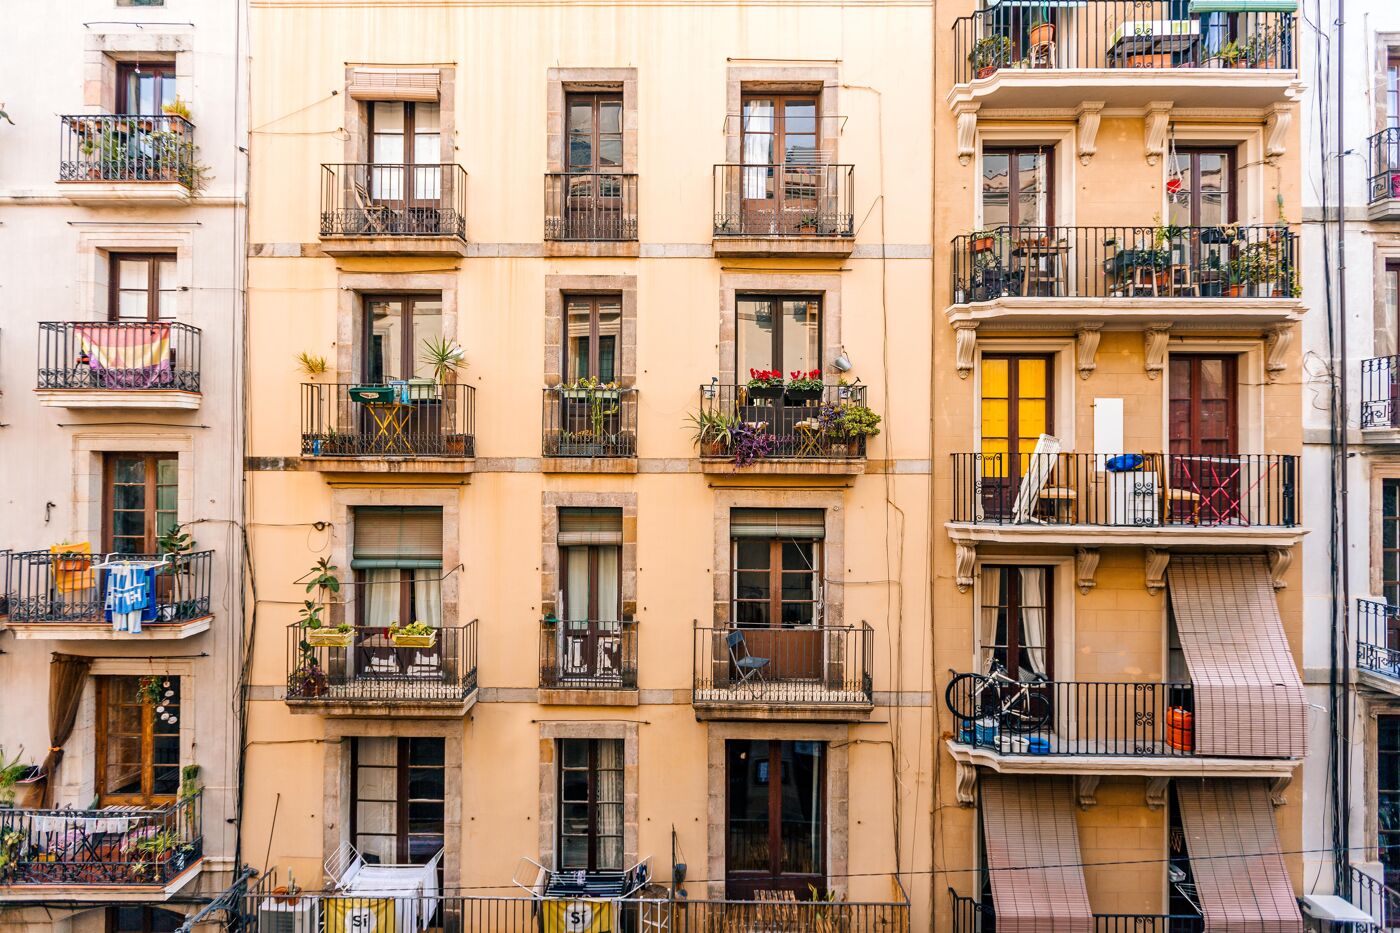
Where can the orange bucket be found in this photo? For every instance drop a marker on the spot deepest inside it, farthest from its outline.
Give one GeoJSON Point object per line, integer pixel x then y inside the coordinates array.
{"type": "Point", "coordinates": [1179, 729]}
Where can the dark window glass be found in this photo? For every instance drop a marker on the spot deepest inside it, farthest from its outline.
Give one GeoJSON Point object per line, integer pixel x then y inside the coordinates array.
{"type": "Point", "coordinates": [398, 792]}
{"type": "Point", "coordinates": [778, 332]}
{"type": "Point", "coordinates": [774, 817]}
{"type": "Point", "coordinates": [138, 740]}
{"type": "Point", "coordinates": [590, 804]}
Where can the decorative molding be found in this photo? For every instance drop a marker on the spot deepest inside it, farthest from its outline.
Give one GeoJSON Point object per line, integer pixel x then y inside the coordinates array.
{"type": "Point", "coordinates": [966, 114]}
{"type": "Point", "coordinates": [1086, 788]}
{"type": "Point", "coordinates": [1277, 121]}
{"type": "Point", "coordinates": [966, 561]}
{"type": "Point", "coordinates": [1154, 338]}
{"type": "Point", "coordinates": [1157, 792]}
{"type": "Point", "coordinates": [967, 784]}
{"type": "Point", "coordinates": [1088, 115]}
{"type": "Point", "coordinates": [1155, 124]}
{"type": "Point", "coordinates": [966, 334]}
{"type": "Point", "coordinates": [1086, 565]}
{"type": "Point", "coordinates": [1088, 347]}
{"type": "Point", "coordinates": [1280, 559]}
{"type": "Point", "coordinates": [1277, 340]}
{"type": "Point", "coordinates": [1156, 565]}
{"type": "Point", "coordinates": [1276, 789]}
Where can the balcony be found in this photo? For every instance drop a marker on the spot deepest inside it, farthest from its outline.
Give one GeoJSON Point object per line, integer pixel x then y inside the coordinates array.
{"type": "Point", "coordinates": [812, 673]}
{"type": "Point", "coordinates": [971, 916]}
{"type": "Point", "coordinates": [1385, 174]}
{"type": "Point", "coordinates": [1136, 500]}
{"type": "Point", "coordinates": [744, 430]}
{"type": "Point", "coordinates": [120, 854]}
{"type": "Point", "coordinates": [784, 210]}
{"type": "Point", "coordinates": [1122, 55]}
{"type": "Point", "coordinates": [114, 159]}
{"type": "Point", "coordinates": [364, 672]}
{"type": "Point", "coordinates": [65, 596]}
{"type": "Point", "coordinates": [1378, 645]}
{"type": "Point", "coordinates": [119, 364]}
{"type": "Point", "coordinates": [588, 663]}
{"type": "Point", "coordinates": [1222, 276]}
{"type": "Point", "coordinates": [590, 214]}
{"type": "Point", "coordinates": [590, 429]}
{"type": "Point", "coordinates": [393, 209]}
{"type": "Point", "coordinates": [413, 426]}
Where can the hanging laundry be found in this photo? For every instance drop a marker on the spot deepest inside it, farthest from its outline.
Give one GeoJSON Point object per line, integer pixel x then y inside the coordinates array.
{"type": "Point", "coordinates": [130, 594]}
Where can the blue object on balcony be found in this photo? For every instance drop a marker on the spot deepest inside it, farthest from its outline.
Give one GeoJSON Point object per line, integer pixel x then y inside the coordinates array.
{"type": "Point", "coordinates": [1038, 745]}
{"type": "Point", "coordinates": [982, 732]}
{"type": "Point", "coordinates": [1123, 463]}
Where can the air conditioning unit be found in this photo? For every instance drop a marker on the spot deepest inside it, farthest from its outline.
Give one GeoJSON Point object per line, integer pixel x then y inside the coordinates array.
{"type": "Point", "coordinates": [289, 915]}
{"type": "Point", "coordinates": [1133, 498]}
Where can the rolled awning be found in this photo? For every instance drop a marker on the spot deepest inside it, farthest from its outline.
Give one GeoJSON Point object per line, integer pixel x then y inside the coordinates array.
{"type": "Point", "coordinates": [420, 84]}
{"type": "Point", "coordinates": [1033, 857]}
{"type": "Point", "coordinates": [1248, 695]}
{"type": "Point", "coordinates": [1239, 873]}
{"type": "Point", "coordinates": [1244, 6]}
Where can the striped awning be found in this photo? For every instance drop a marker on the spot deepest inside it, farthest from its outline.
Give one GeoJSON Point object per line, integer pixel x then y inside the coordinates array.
{"type": "Point", "coordinates": [1244, 6]}
{"type": "Point", "coordinates": [1248, 694]}
{"type": "Point", "coordinates": [1236, 864]}
{"type": "Point", "coordinates": [1032, 846]}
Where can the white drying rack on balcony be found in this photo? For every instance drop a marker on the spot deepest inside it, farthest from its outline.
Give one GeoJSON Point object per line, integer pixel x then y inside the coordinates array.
{"type": "Point", "coordinates": [413, 888]}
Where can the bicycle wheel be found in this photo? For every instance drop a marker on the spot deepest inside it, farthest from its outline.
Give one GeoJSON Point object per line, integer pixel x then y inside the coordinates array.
{"type": "Point", "coordinates": [1026, 712]}
{"type": "Point", "coordinates": [964, 696]}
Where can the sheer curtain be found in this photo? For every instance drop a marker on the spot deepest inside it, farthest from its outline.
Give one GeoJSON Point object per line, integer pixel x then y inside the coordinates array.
{"type": "Point", "coordinates": [427, 597]}
{"type": "Point", "coordinates": [382, 597]}
{"type": "Point", "coordinates": [1033, 615]}
{"type": "Point", "coordinates": [576, 584]}
{"type": "Point", "coordinates": [991, 608]}
{"type": "Point", "coordinates": [610, 803]}
{"type": "Point", "coordinates": [607, 584]}
{"type": "Point", "coordinates": [758, 143]}
{"type": "Point", "coordinates": [376, 799]}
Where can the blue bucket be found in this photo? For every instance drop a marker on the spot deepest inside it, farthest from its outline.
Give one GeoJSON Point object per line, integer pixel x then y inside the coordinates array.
{"type": "Point", "coordinates": [1037, 745]}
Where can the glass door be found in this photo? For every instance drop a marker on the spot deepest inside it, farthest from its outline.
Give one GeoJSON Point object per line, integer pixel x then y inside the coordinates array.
{"type": "Point", "coordinates": [775, 819]}
{"type": "Point", "coordinates": [1017, 407]}
{"type": "Point", "coordinates": [593, 210]}
{"type": "Point", "coordinates": [781, 164]}
{"type": "Point", "coordinates": [1204, 479]}
{"type": "Point", "coordinates": [398, 799]}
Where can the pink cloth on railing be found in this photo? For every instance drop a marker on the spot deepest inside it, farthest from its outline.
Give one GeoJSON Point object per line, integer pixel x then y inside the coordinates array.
{"type": "Point", "coordinates": [127, 356]}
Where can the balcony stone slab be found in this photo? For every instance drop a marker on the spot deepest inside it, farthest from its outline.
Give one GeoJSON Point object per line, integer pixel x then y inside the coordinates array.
{"type": "Point", "coordinates": [110, 399]}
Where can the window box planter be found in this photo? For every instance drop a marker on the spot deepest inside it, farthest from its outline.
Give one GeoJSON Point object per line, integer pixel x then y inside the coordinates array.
{"type": "Point", "coordinates": [413, 641]}
{"type": "Point", "coordinates": [801, 396]}
{"type": "Point", "coordinates": [324, 638]}
{"type": "Point", "coordinates": [366, 394]}
{"type": "Point", "coordinates": [766, 392]}
{"type": "Point", "coordinates": [423, 390]}
{"type": "Point", "coordinates": [586, 394]}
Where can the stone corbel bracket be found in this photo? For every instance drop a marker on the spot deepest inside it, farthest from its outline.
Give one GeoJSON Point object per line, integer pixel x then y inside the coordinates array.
{"type": "Point", "coordinates": [1087, 347]}
{"type": "Point", "coordinates": [1276, 789]}
{"type": "Point", "coordinates": [1086, 788]}
{"type": "Point", "coordinates": [1157, 792]}
{"type": "Point", "coordinates": [1086, 567]}
{"type": "Point", "coordinates": [1088, 118]}
{"type": "Point", "coordinates": [1277, 340]}
{"type": "Point", "coordinates": [966, 114]}
{"type": "Point", "coordinates": [1154, 339]}
{"type": "Point", "coordinates": [1156, 122]}
{"type": "Point", "coordinates": [1280, 559]}
{"type": "Point", "coordinates": [1156, 566]}
{"type": "Point", "coordinates": [965, 562]}
{"type": "Point", "coordinates": [1277, 121]}
{"type": "Point", "coordinates": [967, 784]}
{"type": "Point", "coordinates": [966, 334]}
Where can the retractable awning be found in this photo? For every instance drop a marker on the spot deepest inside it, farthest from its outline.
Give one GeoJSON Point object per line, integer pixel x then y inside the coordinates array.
{"type": "Point", "coordinates": [1244, 6]}
{"type": "Point", "coordinates": [1240, 876]}
{"type": "Point", "coordinates": [1028, 824]}
{"type": "Point", "coordinates": [1248, 694]}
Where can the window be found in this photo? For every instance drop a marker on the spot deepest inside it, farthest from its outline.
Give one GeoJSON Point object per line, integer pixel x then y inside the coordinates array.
{"type": "Point", "coordinates": [143, 919]}
{"type": "Point", "coordinates": [781, 332]}
{"type": "Point", "coordinates": [398, 794]}
{"type": "Point", "coordinates": [1017, 188]}
{"type": "Point", "coordinates": [590, 633]}
{"type": "Point", "coordinates": [405, 134]}
{"type": "Point", "coordinates": [1390, 542]}
{"type": "Point", "coordinates": [595, 132]}
{"type": "Point", "coordinates": [594, 331]}
{"type": "Point", "coordinates": [590, 804]}
{"type": "Point", "coordinates": [395, 329]}
{"type": "Point", "coordinates": [141, 287]}
{"type": "Point", "coordinates": [780, 152]}
{"type": "Point", "coordinates": [775, 818]}
{"type": "Point", "coordinates": [138, 742]}
{"type": "Point", "coordinates": [1182, 899]}
{"type": "Point", "coordinates": [1017, 407]}
{"type": "Point", "coordinates": [1017, 624]}
{"type": "Point", "coordinates": [1392, 90]}
{"type": "Point", "coordinates": [777, 567]}
{"type": "Point", "coordinates": [397, 561]}
{"type": "Point", "coordinates": [1205, 183]}
{"type": "Point", "coordinates": [1388, 796]}
{"type": "Point", "coordinates": [1203, 408]}
{"type": "Point", "coordinates": [145, 88]}
{"type": "Point", "coordinates": [140, 493]}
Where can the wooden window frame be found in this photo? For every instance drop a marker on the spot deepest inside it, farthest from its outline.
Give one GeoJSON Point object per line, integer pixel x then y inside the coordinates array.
{"type": "Point", "coordinates": [1392, 275]}
{"type": "Point", "coordinates": [410, 131]}
{"type": "Point", "coordinates": [596, 99]}
{"type": "Point", "coordinates": [775, 870]}
{"type": "Point", "coordinates": [1013, 385]}
{"type": "Point", "coordinates": [152, 469]}
{"type": "Point", "coordinates": [1010, 574]}
{"type": "Point", "coordinates": [1013, 185]}
{"type": "Point", "coordinates": [1390, 871]}
{"type": "Point", "coordinates": [1231, 154]}
{"type": "Point", "coordinates": [408, 347]}
{"type": "Point", "coordinates": [592, 771]}
{"type": "Point", "coordinates": [164, 71]}
{"type": "Point", "coordinates": [778, 134]}
{"type": "Point", "coordinates": [775, 358]}
{"type": "Point", "coordinates": [594, 337]}
{"type": "Point", "coordinates": [148, 912]}
{"type": "Point", "coordinates": [147, 797]}
{"type": "Point", "coordinates": [153, 263]}
{"type": "Point", "coordinates": [402, 800]}
{"type": "Point", "coordinates": [1232, 380]}
{"type": "Point", "coordinates": [776, 573]}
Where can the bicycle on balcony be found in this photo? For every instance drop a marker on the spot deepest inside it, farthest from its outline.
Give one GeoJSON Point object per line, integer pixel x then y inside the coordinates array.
{"type": "Point", "coordinates": [1015, 706]}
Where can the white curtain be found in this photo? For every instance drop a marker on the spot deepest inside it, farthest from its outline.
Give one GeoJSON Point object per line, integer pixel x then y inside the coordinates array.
{"type": "Point", "coordinates": [1033, 619]}
{"type": "Point", "coordinates": [607, 583]}
{"type": "Point", "coordinates": [991, 599]}
{"type": "Point", "coordinates": [610, 803]}
{"type": "Point", "coordinates": [758, 142]}
{"type": "Point", "coordinates": [576, 583]}
{"type": "Point", "coordinates": [427, 597]}
{"type": "Point", "coordinates": [376, 793]}
{"type": "Point", "coordinates": [382, 597]}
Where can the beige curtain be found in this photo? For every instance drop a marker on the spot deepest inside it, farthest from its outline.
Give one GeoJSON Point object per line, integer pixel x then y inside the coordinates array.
{"type": "Point", "coordinates": [1033, 616]}
{"type": "Point", "coordinates": [382, 597]}
{"type": "Point", "coordinates": [610, 803]}
{"type": "Point", "coordinates": [67, 677]}
{"type": "Point", "coordinates": [576, 587]}
{"type": "Point", "coordinates": [376, 798]}
{"type": "Point", "coordinates": [608, 578]}
{"type": "Point", "coordinates": [427, 596]}
{"type": "Point", "coordinates": [987, 634]}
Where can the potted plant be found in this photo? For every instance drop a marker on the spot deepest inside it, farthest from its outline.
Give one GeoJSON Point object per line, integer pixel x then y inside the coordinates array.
{"type": "Point", "coordinates": [178, 546]}
{"type": "Point", "coordinates": [70, 562]}
{"type": "Point", "coordinates": [752, 442]}
{"type": "Point", "coordinates": [984, 241]}
{"type": "Point", "coordinates": [713, 432]}
{"type": "Point", "coordinates": [12, 771]}
{"type": "Point", "coordinates": [807, 224]}
{"type": "Point", "coordinates": [178, 107]}
{"type": "Point", "coordinates": [990, 53]}
{"type": "Point", "coordinates": [1042, 29]}
{"type": "Point", "coordinates": [308, 681]}
{"type": "Point", "coordinates": [323, 581]}
{"type": "Point", "coordinates": [189, 782]}
{"type": "Point", "coordinates": [848, 424]}
{"type": "Point", "coordinates": [444, 356]}
{"type": "Point", "coordinates": [1259, 269]}
{"type": "Point", "coordinates": [803, 387]}
{"type": "Point", "coordinates": [311, 366]}
{"type": "Point", "coordinates": [322, 636]}
{"type": "Point", "coordinates": [412, 635]}
{"type": "Point", "coordinates": [11, 847]}
{"type": "Point", "coordinates": [765, 384]}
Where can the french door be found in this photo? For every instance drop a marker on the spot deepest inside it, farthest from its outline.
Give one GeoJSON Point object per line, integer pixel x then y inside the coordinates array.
{"type": "Point", "coordinates": [1018, 188]}
{"type": "Point", "coordinates": [405, 174]}
{"type": "Point", "coordinates": [590, 819]}
{"type": "Point", "coordinates": [1017, 407]}
{"type": "Point", "coordinates": [775, 819]}
{"type": "Point", "coordinates": [593, 209]}
{"type": "Point", "coordinates": [777, 603]}
{"type": "Point", "coordinates": [591, 629]}
{"type": "Point", "coordinates": [781, 174]}
{"type": "Point", "coordinates": [398, 798]}
{"type": "Point", "coordinates": [1204, 471]}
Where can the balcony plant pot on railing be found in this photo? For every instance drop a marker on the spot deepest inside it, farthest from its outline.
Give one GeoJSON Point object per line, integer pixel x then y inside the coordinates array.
{"type": "Point", "coordinates": [765, 384]}
{"type": "Point", "coordinates": [804, 387]}
{"type": "Point", "coordinates": [412, 635]}
{"type": "Point", "coordinates": [991, 53]}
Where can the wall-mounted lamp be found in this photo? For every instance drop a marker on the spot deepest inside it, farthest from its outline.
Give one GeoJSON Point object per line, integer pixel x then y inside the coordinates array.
{"type": "Point", "coordinates": [712, 389]}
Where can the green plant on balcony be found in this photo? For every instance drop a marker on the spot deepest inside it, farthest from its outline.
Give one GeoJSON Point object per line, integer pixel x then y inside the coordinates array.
{"type": "Point", "coordinates": [189, 782]}
{"type": "Point", "coordinates": [177, 545]}
{"type": "Point", "coordinates": [412, 635]}
{"type": "Point", "coordinates": [847, 425]}
{"type": "Point", "coordinates": [179, 107]}
{"type": "Point", "coordinates": [712, 431]}
{"type": "Point", "coordinates": [10, 773]}
{"type": "Point", "coordinates": [990, 53]}
{"type": "Point", "coordinates": [444, 357]}
{"type": "Point", "coordinates": [148, 852]}
{"type": "Point", "coordinates": [323, 582]}
{"type": "Point", "coordinates": [311, 366]}
{"type": "Point", "coordinates": [1262, 269]}
{"type": "Point", "coordinates": [11, 842]}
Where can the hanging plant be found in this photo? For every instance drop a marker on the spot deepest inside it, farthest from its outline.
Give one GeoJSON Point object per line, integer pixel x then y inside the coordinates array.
{"type": "Point", "coordinates": [149, 690]}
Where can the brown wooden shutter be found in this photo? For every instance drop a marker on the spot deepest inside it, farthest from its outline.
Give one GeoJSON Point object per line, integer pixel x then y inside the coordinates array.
{"type": "Point", "coordinates": [589, 526]}
{"type": "Point", "coordinates": [394, 84]}
{"type": "Point", "coordinates": [1248, 694]}
{"type": "Point", "coordinates": [777, 523]}
{"type": "Point", "coordinates": [397, 537]}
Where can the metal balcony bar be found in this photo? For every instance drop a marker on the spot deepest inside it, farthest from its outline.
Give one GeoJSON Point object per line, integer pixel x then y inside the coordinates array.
{"type": "Point", "coordinates": [779, 424]}
{"type": "Point", "coordinates": [122, 846]}
{"type": "Point", "coordinates": [47, 587]}
{"type": "Point", "coordinates": [970, 916]}
{"type": "Point", "coordinates": [1125, 262]}
{"type": "Point", "coordinates": [590, 422]}
{"type": "Point", "coordinates": [1127, 490]}
{"type": "Point", "coordinates": [368, 666]}
{"type": "Point", "coordinates": [1378, 638]}
{"type": "Point", "coordinates": [588, 655]}
{"type": "Point", "coordinates": [409, 419]}
{"type": "Point", "coordinates": [382, 199]}
{"type": "Point", "coordinates": [1380, 392]}
{"type": "Point", "coordinates": [127, 148]}
{"type": "Point", "coordinates": [1379, 900]}
{"type": "Point", "coordinates": [784, 200]}
{"type": "Point", "coordinates": [118, 355]}
{"type": "Point", "coordinates": [805, 665]}
{"type": "Point", "coordinates": [1109, 34]}
{"type": "Point", "coordinates": [590, 206]}
{"type": "Point", "coordinates": [1385, 164]}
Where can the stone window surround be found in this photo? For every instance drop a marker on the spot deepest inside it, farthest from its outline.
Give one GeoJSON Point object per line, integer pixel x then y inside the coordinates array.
{"type": "Point", "coordinates": [354, 287]}
{"type": "Point", "coordinates": [557, 288]}
{"type": "Point", "coordinates": [1058, 138]}
{"type": "Point", "coordinates": [1061, 351]}
{"type": "Point", "coordinates": [344, 501]}
{"type": "Point", "coordinates": [335, 819]}
{"type": "Point", "coordinates": [550, 733]}
{"type": "Point", "coordinates": [1373, 708]}
{"type": "Point", "coordinates": [1061, 568]}
{"type": "Point", "coordinates": [825, 284]}
{"type": "Point", "coordinates": [96, 246]}
{"type": "Point", "coordinates": [1384, 339]}
{"type": "Point", "coordinates": [549, 544]}
{"type": "Point", "coordinates": [1382, 468]}
{"type": "Point", "coordinates": [830, 501]}
{"type": "Point", "coordinates": [90, 444]}
{"type": "Point", "coordinates": [821, 80]}
{"type": "Point", "coordinates": [1386, 45]}
{"type": "Point", "coordinates": [357, 111]}
{"type": "Point", "coordinates": [104, 50]}
{"type": "Point", "coordinates": [563, 81]}
{"type": "Point", "coordinates": [836, 737]}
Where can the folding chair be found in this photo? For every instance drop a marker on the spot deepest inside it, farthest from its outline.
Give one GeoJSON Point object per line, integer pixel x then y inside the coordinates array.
{"type": "Point", "coordinates": [748, 666]}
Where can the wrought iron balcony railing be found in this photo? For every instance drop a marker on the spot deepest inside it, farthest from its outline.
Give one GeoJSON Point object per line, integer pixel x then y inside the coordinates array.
{"type": "Point", "coordinates": [73, 588]}
{"type": "Point", "coordinates": [1380, 392]}
{"type": "Point", "coordinates": [750, 424]}
{"type": "Point", "coordinates": [1125, 262]}
{"type": "Point", "coordinates": [971, 916]}
{"type": "Point", "coordinates": [1385, 164]}
{"type": "Point", "coordinates": [384, 199]}
{"type": "Point", "coordinates": [799, 665]}
{"type": "Point", "coordinates": [1112, 34]}
{"type": "Point", "coordinates": [121, 846]}
{"type": "Point", "coordinates": [590, 206]}
{"type": "Point", "coordinates": [1378, 638]}
{"type": "Point", "coordinates": [119, 355]}
{"type": "Point", "coordinates": [368, 665]}
{"type": "Point", "coordinates": [1378, 900]}
{"type": "Point", "coordinates": [590, 422]}
{"type": "Point", "coordinates": [127, 148]}
{"type": "Point", "coordinates": [1127, 490]}
{"type": "Point", "coordinates": [784, 200]}
{"type": "Point", "coordinates": [588, 655]}
{"type": "Point", "coordinates": [396, 419]}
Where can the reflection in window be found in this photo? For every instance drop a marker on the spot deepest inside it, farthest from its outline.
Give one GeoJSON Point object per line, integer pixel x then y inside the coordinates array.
{"type": "Point", "coordinates": [775, 332]}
